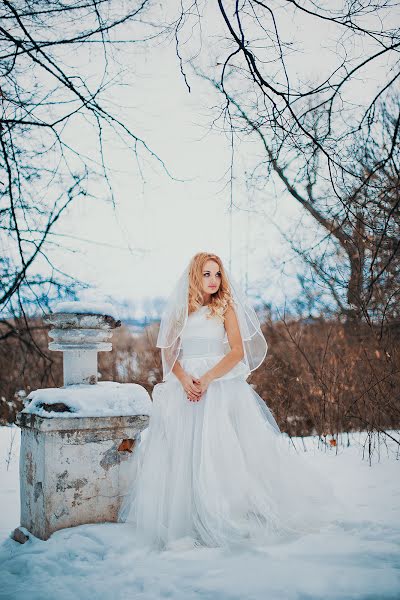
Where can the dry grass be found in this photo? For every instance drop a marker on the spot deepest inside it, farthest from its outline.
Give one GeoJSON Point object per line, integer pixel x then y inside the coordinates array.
{"type": "Point", "coordinates": [327, 377]}
{"type": "Point", "coordinates": [319, 377]}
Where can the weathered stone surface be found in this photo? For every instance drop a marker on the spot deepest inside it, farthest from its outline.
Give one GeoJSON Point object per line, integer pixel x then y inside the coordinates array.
{"type": "Point", "coordinates": [80, 336]}
{"type": "Point", "coordinates": [72, 470]}
{"type": "Point", "coordinates": [126, 445]}
{"type": "Point", "coordinates": [56, 407]}
{"type": "Point", "coordinates": [93, 426]}
{"type": "Point", "coordinates": [64, 320]}
{"type": "Point", "coordinates": [19, 536]}
{"type": "Point", "coordinates": [80, 364]}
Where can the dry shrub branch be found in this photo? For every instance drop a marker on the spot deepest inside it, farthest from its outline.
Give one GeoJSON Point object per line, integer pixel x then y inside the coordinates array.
{"type": "Point", "coordinates": [320, 377]}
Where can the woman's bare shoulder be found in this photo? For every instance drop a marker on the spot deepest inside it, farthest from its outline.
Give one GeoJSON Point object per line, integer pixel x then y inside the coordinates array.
{"type": "Point", "coordinates": [230, 317]}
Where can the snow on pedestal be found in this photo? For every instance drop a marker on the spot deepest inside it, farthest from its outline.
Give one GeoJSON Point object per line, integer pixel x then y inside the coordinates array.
{"type": "Point", "coordinates": [77, 440]}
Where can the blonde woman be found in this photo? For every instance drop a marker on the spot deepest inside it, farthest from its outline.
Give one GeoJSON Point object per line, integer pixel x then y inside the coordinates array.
{"type": "Point", "coordinates": [214, 468]}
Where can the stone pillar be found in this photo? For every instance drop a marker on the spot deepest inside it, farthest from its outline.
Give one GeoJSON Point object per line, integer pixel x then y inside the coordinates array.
{"type": "Point", "coordinates": [80, 337]}
{"type": "Point", "coordinates": [74, 468]}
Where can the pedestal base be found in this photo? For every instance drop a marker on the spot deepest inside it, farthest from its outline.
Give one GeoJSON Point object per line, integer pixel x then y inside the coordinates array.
{"type": "Point", "coordinates": [74, 470]}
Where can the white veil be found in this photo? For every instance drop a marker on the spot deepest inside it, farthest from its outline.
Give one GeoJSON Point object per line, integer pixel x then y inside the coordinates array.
{"type": "Point", "coordinates": [175, 315]}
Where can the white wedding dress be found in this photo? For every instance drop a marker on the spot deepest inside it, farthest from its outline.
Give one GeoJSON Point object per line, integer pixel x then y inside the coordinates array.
{"type": "Point", "coordinates": [218, 472]}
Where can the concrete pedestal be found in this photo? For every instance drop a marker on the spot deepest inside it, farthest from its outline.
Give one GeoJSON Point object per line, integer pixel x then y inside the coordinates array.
{"type": "Point", "coordinates": [80, 337]}
{"type": "Point", "coordinates": [72, 470]}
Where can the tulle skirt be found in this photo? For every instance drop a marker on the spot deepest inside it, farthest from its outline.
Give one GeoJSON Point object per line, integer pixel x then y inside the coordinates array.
{"type": "Point", "coordinates": [218, 472]}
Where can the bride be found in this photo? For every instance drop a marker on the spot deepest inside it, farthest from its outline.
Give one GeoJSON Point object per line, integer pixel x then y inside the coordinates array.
{"type": "Point", "coordinates": [213, 468]}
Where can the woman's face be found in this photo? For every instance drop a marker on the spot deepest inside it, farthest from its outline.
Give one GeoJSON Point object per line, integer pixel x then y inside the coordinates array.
{"type": "Point", "coordinates": [211, 277]}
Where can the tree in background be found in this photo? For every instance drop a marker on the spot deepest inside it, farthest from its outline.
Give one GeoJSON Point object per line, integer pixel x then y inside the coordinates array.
{"type": "Point", "coordinates": [261, 62]}
{"type": "Point", "coordinates": [331, 144]}
{"type": "Point", "coordinates": [59, 64]}
{"type": "Point", "coordinates": [357, 258]}
{"type": "Point", "coordinates": [59, 112]}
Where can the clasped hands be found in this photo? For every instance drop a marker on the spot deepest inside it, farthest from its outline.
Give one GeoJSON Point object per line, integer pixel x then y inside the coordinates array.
{"type": "Point", "coordinates": [195, 387]}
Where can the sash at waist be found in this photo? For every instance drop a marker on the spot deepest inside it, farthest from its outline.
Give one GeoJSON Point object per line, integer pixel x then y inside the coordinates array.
{"type": "Point", "coordinates": [192, 347]}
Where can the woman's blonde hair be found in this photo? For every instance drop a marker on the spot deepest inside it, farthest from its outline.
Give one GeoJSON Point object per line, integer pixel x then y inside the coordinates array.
{"type": "Point", "coordinates": [222, 298]}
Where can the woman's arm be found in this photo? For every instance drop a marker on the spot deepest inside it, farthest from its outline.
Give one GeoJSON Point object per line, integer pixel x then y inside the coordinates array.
{"type": "Point", "coordinates": [178, 370]}
{"type": "Point", "coordinates": [189, 383]}
{"type": "Point", "coordinates": [233, 357]}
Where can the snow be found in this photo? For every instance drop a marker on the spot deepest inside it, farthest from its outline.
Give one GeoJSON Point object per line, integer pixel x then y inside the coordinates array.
{"type": "Point", "coordinates": [106, 398]}
{"type": "Point", "coordinates": [82, 307]}
{"type": "Point", "coordinates": [355, 558]}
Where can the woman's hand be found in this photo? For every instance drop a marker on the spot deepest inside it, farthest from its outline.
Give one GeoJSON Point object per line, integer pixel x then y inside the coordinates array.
{"type": "Point", "coordinates": [191, 386]}
{"type": "Point", "coordinates": [204, 382]}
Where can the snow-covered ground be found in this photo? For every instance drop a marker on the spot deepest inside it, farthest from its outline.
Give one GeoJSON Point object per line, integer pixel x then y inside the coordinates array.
{"type": "Point", "coordinates": [357, 557]}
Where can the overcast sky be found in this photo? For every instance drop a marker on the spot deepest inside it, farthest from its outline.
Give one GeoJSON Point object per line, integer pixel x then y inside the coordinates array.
{"type": "Point", "coordinates": [138, 248]}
